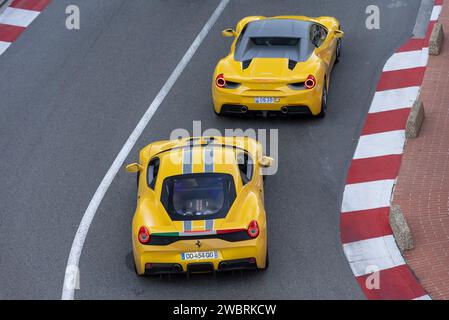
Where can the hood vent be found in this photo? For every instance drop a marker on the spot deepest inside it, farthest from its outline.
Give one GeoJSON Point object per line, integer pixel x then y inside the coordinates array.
{"type": "Point", "coordinates": [292, 64]}
{"type": "Point", "coordinates": [246, 63]}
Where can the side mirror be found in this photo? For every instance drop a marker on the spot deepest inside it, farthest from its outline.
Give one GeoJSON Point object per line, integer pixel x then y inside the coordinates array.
{"type": "Point", "coordinates": [228, 33]}
{"type": "Point", "coordinates": [133, 167]}
{"type": "Point", "coordinates": [266, 161]}
{"type": "Point", "coordinates": [338, 34]}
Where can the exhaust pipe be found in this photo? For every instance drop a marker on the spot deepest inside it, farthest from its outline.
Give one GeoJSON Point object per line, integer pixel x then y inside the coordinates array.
{"type": "Point", "coordinates": [284, 110]}
{"type": "Point", "coordinates": [177, 267]}
{"type": "Point", "coordinates": [244, 109]}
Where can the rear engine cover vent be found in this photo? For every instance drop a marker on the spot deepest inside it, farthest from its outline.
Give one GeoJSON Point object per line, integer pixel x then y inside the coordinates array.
{"type": "Point", "coordinates": [246, 63]}
{"type": "Point", "coordinates": [292, 64]}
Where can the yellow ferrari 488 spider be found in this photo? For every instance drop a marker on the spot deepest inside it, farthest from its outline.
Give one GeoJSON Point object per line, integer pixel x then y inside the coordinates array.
{"type": "Point", "coordinates": [200, 206]}
{"type": "Point", "coordinates": [278, 64]}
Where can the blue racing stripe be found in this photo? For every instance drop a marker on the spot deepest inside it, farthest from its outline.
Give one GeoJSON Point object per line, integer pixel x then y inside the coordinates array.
{"type": "Point", "coordinates": [187, 165]}
{"type": "Point", "coordinates": [209, 159]}
{"type": "Point", "coordinates": [187, 225]}
{"type": "Point", "coordinates": [209, 225]}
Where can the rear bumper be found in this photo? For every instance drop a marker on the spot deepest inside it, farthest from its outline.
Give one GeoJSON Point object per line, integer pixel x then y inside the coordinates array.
{"type": "Point", "coordinates": [200, 267]}
{"type": "Point", "coordinates": [250, 254]}
{"type": "Point", "coordinates": [231, 101]}
{"type": "Point", "coordinates": [236, 109]}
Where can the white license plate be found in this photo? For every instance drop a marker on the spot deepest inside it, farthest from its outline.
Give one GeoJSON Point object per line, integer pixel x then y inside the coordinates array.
{"type": "Point", "coordinates": [201, 255]}
{"type": "Point", "coordinates": [265, 100]}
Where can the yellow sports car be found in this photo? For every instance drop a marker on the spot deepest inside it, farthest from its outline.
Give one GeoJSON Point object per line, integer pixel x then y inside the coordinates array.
{"type": "Point", "coordinates": [277, 65]}
{"type": "Point", "coordinates": [200, 206]}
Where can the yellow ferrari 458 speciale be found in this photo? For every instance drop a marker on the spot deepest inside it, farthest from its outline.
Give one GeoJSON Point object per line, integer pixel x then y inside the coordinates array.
{"type": "Point", "coordinates": [277, 65]}
{"type": "Point", "coordinates": [200, 206]}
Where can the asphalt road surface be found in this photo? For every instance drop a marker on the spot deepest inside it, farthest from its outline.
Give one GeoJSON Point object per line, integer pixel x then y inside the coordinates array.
{"type": "Point", "coordinates": [70, 99]}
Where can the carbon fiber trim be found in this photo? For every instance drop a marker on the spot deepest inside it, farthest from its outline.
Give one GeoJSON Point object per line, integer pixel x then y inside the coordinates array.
{"type": "Point", "coordinates": [230, 237]}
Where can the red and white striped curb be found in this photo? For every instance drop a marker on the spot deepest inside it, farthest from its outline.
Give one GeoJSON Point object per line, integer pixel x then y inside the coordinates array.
{"type": "Point", "coordinates": [16, 18]}
{"type": "Point", "coordinates": [367, 238]}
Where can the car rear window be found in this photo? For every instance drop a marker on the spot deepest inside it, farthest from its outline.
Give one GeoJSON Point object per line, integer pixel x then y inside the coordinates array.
{"type": "Point", "coordinates": [198, 196]}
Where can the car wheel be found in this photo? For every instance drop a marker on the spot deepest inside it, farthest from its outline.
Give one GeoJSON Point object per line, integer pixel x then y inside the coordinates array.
{"type": "Point", "coordinates": [338, 51]}
{"type": "Point", "coordinates": [323, 111]}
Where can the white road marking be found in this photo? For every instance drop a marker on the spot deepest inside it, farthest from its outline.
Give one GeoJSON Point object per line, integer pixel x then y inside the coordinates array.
{"type": "Point", "coordinates": [425, 297]}
{"type": "Point", "coordinates": [380, 144]}
{"type": "Point", "coordinates": [381, 252]}
{"type": "Point", "coordinates": [68, 290]}
{"type": "Point", "coordinates": [435, 13]}
{"type": "Point", "coordinates": [18, 17]}
{"type": "Point", "coordinates": [367, 195]}
{"type": "Point", "coordinates": [394, 99]}
{"type": "Point", "coordinates": [3, 46]}
{"type": "Point", "coordinates": [407, 60]}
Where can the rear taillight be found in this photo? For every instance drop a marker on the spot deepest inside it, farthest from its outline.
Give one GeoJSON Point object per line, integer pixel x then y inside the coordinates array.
{"type": "Point", "coordinates": [253, 229]}
{"type": "Point", "coordinates": [144, 235]}
{"type": "Point", "coordinates": [310, 82]}
{"type": "Point", "coordinates": [220, 81]}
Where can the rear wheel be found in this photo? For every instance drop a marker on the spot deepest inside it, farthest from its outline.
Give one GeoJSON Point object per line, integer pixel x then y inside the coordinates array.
{"type": "Point", "coordinates": [323, 111]}
{"type": "Point", "coordinates": [338, 51]}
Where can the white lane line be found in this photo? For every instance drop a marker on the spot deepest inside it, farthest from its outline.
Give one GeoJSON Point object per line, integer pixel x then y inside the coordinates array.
{"type": "Point", "coordinates": [435, 13]}
{"type": "Point", "coordinates": [407, 60]}
{"type": "Point", "coordinates": [380, 144]}
{"type": "Point", "coordinates": [394, 99]}
{"type": "Point", "coordinates": [18, 17]}
{"type": "Point", "coordinates": [381, 253]}
{"type": "Point", "coordinates": [367, 195]}
{"type": "Point", "coordinates": [3, 46]}
{"type": "Point", "coordinates": [425, 297]}
{"type": "Point", "coordinates": [68, 290]}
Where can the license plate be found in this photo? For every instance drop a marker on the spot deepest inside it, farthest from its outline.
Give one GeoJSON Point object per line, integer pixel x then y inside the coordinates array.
{"type": "Point", "coordinates": [202, 255]}
{"type": "Point", "coordinates": [265, 100]}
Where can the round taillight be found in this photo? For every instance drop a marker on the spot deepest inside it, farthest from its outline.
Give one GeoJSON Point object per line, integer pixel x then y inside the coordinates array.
{"type": "Point", "coordinates": [253, 229]}
{"type": "Point", "coordinates": [144, 235]}
{"type": "Point", "coordinates": [310, 82]}
{"type": "Point", "coordinates": [220, 81]}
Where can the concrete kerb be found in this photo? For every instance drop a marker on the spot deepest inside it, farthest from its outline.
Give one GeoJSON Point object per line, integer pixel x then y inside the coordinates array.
{"type": "Point", "coordinates": [401, 230]}
{"type": "Point", "coordinates": [415, 119]}
{"type": "Point", "coordinates": [436, 39]}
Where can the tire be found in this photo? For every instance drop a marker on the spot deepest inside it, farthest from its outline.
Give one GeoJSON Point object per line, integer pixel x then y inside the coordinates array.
{"type": "Point", "coordinates": [218, 114]}
{"type": "Point", "coordinates": [338, 51]}
{"type": "Point", "coordinates": [323, 111]}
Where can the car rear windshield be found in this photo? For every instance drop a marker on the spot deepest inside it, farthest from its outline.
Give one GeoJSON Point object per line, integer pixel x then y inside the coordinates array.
{"type": "Point", "coordinates": [198, 196]}
{"type": "Point", "coordinates": [275, 41]}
